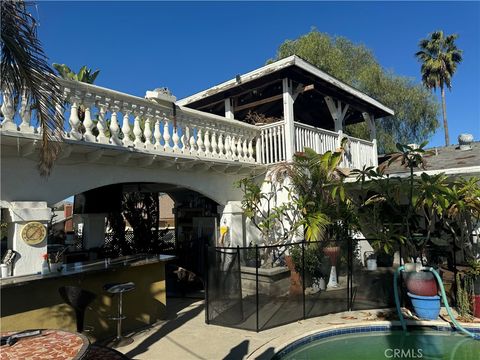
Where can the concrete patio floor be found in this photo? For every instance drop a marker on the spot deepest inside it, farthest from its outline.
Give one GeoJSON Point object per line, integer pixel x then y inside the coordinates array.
{"type": "Point", "coordinates": [186, 336]}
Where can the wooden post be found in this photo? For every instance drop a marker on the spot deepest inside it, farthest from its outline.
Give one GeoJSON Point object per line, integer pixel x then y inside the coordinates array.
{"type": "Point", "coordinates": [229, 114]}
{"type": "Point", "coordinates": [288, 116]}
{"type": "Point", "coordinates": [340, 138]}
{"type": "Point", "coordinates": [338, 113]}
{"type": "Point", "coordinates": [370, 120]}
{"type": "Point", "coordinates": [375, 153]}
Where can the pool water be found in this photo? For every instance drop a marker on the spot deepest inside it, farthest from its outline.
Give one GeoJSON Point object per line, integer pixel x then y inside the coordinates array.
{"type": "Point", "coordinates": [417, 344]}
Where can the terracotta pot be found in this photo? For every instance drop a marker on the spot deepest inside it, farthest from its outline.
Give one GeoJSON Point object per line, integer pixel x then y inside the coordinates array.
{"type": "Point", "coordinates": [332, 252]}
{"type": "Point", "coordinates": [421, 283]}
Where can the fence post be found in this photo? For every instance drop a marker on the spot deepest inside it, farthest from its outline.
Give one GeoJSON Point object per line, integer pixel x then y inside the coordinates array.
{"type": "Point", "coordinates": [350, 273]}
{"type": "Point", "coordinates": [303, 278]}
{"type": "Point", "coordinates": [205, 281]}
{"type": "Point", "coordinates": [256, 283]}
{"type": "Point", "coordinates": [455, 285]}
{"type": "Point", "coordinates": [240, 279]}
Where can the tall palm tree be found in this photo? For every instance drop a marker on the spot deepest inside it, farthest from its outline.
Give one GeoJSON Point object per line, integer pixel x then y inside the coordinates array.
{"type": "Point", "coordinates": [25, 70]}
{"type": "Point", "coordinates": [439, 56]}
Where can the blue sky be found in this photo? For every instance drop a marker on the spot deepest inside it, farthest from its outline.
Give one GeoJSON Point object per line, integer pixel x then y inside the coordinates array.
{"type": "Point", "coordinates": [189, 47]}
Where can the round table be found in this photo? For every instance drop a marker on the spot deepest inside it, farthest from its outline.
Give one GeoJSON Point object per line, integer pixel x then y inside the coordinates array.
{"type": "Point", "coordinates": [50, 344]}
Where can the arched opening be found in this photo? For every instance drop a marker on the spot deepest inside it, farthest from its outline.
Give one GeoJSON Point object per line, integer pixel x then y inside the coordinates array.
{"type": "Point", "coordinates": [135, 218]}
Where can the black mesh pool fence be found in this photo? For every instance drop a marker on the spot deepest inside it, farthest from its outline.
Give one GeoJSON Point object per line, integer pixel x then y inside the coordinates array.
{"type": "Point", "coordinates": [261, 287]}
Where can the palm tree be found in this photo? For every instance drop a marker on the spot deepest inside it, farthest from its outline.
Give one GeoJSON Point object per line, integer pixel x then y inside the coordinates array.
{"type": "Point", "coordinates": [85, 74]}
{"type": "Point", "coordinates": [439, 56]}
{"type": "Point", "coordinates": [25, 70]}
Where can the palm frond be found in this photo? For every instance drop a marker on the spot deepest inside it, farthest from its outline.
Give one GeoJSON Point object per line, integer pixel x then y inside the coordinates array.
{"type": "Point", "coordinates": [25, 68]}
{"type": "Point", "coordinates": [439, 56]}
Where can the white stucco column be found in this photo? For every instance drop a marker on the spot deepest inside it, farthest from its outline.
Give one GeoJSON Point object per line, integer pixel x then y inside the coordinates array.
{"type": "Point", "coordinates": [232, 216]}
{"type": "Point", "coordinates": [289, 117]}
{"type": "Point", "coordinates": [93, 230]}
{"type": "Point", "coordinates": [30, 257]}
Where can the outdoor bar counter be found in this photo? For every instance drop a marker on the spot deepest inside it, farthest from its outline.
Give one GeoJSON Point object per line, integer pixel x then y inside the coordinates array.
{"type": "Point", "coordinates": [33, 301]}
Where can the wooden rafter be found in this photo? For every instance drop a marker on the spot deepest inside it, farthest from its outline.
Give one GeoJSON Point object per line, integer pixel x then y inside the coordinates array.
{"type": "Point", "coordinates": [298, 91]}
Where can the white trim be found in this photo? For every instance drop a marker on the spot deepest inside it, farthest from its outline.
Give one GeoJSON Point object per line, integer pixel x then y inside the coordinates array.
{"type": "Point", "coordinates": [468, 170]}
{"type": "Point", "coordinates": [330, 79]}
{"type": "Point", "coordinates": [276, 66]}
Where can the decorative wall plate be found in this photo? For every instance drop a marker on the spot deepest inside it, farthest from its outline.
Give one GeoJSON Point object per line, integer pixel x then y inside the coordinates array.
{"type": "Point", "coordinates": [34, 233]}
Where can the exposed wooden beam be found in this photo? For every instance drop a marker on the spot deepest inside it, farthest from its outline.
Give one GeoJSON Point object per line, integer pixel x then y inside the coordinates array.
{"type": "Point", "coordinates": [273, 98]}
{"type": "Point", "coordinates": [370, 119]}
{"type": "Point", "coordinates": [209, 105]}
{"type": "Point", "coordinates": [259, 102]}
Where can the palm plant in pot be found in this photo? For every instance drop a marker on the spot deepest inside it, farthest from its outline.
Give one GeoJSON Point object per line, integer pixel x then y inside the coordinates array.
{"type": "Point", "coordinates": [318, 181]}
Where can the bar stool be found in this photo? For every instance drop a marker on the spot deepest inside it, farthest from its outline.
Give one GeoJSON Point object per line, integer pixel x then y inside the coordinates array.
{"type": "Point", "coordinates": [119, 289]}
{"type": "Point", "coordinates": [78, 299]}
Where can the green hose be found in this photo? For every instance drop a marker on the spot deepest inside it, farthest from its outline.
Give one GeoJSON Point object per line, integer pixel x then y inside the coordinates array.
{"type": "Point", "coordinates": [444, 298]}
{"type": "Point", "coordinates": [397, 300]}
{"type": "Point", "coordinates": [449, 311]}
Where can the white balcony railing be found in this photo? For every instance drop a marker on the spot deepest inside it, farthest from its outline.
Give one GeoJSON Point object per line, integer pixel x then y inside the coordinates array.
{"type": "Point", "coordinates": [320, 140]}
{"type": "Point", "coordinates": [272, 143]}
{"type": "Point", "coordinates": [120, 120]}
{"type": "Point", "coordinates": [358, 152]}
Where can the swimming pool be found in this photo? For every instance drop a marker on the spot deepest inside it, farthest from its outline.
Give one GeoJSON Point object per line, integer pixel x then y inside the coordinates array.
{"type": "Point", "coordinates": [383, 342]}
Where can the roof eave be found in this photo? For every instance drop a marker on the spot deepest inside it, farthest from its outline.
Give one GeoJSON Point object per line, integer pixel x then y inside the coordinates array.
{"type": "Point", "coordinates": [279, 65]}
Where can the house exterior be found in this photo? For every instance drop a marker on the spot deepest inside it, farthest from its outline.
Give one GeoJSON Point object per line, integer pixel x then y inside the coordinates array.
{"type": "Point", "coordinates": [203, 143]}
{"type": "Point", "coordinates": [453, 160]}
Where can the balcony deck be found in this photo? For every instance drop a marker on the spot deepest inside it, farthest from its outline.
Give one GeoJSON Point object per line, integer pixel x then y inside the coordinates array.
{"type": "Point", "coordinates": [114, 121]}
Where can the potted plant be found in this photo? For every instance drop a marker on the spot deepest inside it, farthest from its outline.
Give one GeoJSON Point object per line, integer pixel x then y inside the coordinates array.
{"type": "Point", "coordinates": [313, 262]}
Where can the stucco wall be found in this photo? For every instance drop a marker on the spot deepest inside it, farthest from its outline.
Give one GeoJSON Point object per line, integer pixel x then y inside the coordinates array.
{"type": "Point", "coordinates": [21, 181]}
